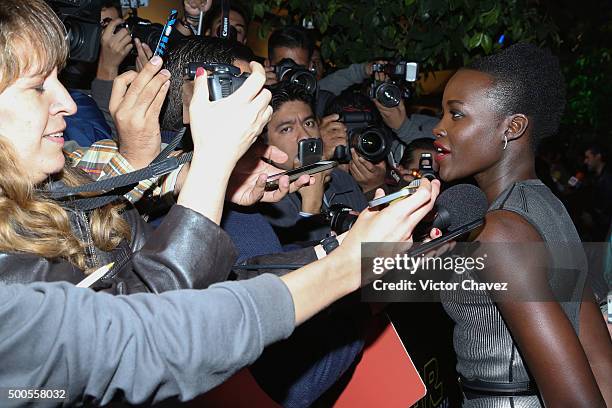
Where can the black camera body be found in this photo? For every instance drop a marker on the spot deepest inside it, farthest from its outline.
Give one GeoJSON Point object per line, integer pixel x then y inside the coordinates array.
{"type": "Point", "coordinates": [370, 141]}
{"type": "Point", "coordinates": [340, 217]}
{"type": "Point", "coordinates": [391, 92]}
{"type": "Point", "coordinates": [403, 70]}
{"type": "Point", "coordinates": [82, 21]}
{"type": "Point", "coordinates": [289, 70]}
{"type": "Point", "coordinates": [143, 29]}
{"type": "Point", "coordinates": [426, 167]}
{"type": "Point", "coordinates": [223, 80]}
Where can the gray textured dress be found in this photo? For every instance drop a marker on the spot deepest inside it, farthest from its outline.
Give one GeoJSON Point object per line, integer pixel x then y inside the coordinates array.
{"type": "Point", "coordinates": [484, 346]}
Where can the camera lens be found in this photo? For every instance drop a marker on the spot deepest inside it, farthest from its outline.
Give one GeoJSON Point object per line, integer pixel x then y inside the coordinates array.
{"type": "Point", "coordinates": [388, 94]}
{"type": "Point", "coordinates": [371, 144]}
{"type": "Point", "coordinates": [305, 79]}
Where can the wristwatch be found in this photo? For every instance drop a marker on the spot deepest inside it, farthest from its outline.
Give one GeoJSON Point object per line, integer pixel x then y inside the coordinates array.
{"type": "Point", "coordinates": [329, 243]}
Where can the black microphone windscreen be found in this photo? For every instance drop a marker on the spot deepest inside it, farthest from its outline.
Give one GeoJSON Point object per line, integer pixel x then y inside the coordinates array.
{"type": "Point", "coordinates": [463, 204]}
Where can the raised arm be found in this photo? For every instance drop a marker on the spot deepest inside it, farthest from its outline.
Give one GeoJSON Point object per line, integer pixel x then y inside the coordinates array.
{"type": "Point", "coordinates": [147, 347]}
{"type": "Point", "coordinates": [183, 343]}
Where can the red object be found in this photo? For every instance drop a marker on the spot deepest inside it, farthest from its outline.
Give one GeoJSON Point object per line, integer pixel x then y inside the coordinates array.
{"type": "Point", "coordinates": [385, 377]}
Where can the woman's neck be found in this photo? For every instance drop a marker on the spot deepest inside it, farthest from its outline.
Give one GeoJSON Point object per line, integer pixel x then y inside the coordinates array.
{"type": "Point", "coordinates": [494, 180]}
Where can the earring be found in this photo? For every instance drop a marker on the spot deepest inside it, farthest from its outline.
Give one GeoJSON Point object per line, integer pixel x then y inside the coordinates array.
{"type": "Point", "coordinates": [505, 141]}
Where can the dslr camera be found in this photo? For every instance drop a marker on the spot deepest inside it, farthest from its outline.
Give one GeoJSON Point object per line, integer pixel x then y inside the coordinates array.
{"type": "Point", "coordinates": [82, 21]}
{"type": "Point", "coordinates": [143, 29]}
{"type": "Point", "coordinates": [223, 80]}
{"type": "Point", "coordinates": [289, 70]}
{"type": "Point", "coordinates": [426, 167]}
{"type": "Point", "coordinates": [340, 217]}
{"type": "Point", "coordinates": [390, 92]}
{"type": "Point", "coordinates": [370, 141]}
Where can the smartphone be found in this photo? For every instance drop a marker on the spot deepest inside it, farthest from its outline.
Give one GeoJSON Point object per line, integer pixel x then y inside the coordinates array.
{"type": "Point", "coordinates": [272, 181]}
{"type": "Point", "coordinates": [310, 151]}
{"type": "Point", "coordinates": [449, 236]}
{"type": "Point", "coordinates": [162, 44]}
{"type": "Point", "coordinates": [398, 195]}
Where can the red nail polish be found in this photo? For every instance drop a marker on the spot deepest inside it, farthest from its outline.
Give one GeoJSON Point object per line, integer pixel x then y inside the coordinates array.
{"type": "Point", "coordinates": [438, 232]}
{"type": "Point", "coordinates": [199, 72]}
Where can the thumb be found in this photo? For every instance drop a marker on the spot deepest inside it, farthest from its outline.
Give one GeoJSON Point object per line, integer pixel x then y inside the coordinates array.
{"type": "Point", "coordinates": [275, 154]}
{"type": "Point", "coordinates": [200, 88]}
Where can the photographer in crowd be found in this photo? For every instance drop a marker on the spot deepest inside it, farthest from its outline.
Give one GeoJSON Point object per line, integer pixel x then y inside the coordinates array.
{"type": "Point", "coordinates": [296, 217]}
{"type": "Point", "coordinates": [70, 243]}
{"type": "Point", "coordinates": [287, 43]}
{"type": "Point", "coordinates": [368, 172]}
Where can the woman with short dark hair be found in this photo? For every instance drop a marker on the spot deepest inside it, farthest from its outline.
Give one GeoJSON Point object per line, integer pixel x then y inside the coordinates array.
{"type": "Point", "coordinates": [513, 351]}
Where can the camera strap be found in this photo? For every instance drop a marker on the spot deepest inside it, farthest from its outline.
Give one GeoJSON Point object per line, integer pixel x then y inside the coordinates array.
{"type": "Point", "coordinates": [161, 165]}
{"type": "Point", "coordinates": [225, 23]}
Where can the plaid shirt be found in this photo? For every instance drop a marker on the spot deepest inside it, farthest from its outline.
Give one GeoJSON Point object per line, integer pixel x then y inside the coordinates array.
{"type": "Point", "coordinates": [102, 160]}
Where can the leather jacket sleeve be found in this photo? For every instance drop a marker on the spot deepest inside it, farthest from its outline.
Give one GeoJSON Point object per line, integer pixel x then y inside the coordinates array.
{"type": "Point", "coordinates": [186, 251]}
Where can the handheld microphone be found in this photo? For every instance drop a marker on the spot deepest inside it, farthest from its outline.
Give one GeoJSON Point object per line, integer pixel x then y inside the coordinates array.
{"type": "Point", "coordinates": [456, 206]}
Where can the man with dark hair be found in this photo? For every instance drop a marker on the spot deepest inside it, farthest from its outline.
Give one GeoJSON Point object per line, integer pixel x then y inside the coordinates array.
{"type": "Point", "coordinates": [295, 43]}
{"type": "Point", "coordinates": [192, 49]}
{"type": "Point", "coordinates": [290, 42]}
{"type": "Point", "coordinates": [111, 9]}
{"type": "Point", "coordinates": [293, 217]}
{"type": "Point", "coordinates": [600, 209]}
{"type": "Point", "coordinates": [368, 175]}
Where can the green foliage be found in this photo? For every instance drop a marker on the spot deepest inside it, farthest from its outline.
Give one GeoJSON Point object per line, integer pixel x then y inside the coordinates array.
{"type": "Point", "coordinates": [589, 89]}
{"type": "Point", "coordinates": [439, 33]}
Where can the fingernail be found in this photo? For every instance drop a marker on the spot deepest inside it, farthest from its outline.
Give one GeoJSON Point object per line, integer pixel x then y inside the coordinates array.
{"type": "Point", "coordinates": [156, 60]}
{"type": "Point", "coordinates": [165, 72]}
{"type": "Point", "coordinates": [136, 40]}
{"type": "Point", "coordinates": [437, 232]}
{"type": "Point", "coordinates": [199, 72]}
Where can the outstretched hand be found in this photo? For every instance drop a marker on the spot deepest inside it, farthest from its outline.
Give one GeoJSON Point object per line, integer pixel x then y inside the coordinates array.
{"type": "Point", "coordinates": [394, 223]}
{"type": "Point", "coordinates": [247, 184]}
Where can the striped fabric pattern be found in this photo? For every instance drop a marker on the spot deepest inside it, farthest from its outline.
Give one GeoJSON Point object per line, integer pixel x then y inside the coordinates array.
{"type": "Point", "coordinates": [102, 160]}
